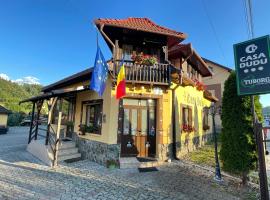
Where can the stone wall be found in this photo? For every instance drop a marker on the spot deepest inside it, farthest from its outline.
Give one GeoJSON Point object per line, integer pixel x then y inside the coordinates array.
{"type": "Point", "coordinates": [191, 144]}
{"type": "Point", "coordinates": [98, 152]}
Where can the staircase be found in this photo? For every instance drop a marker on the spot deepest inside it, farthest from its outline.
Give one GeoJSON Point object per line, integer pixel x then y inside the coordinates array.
{"type": "Point", "coordinates": [133, 162]}
{"type": "Point", "coordinates": [68, 150]}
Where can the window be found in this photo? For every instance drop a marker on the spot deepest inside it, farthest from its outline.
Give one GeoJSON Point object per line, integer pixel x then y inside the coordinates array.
{"type": "Point", "coordinates": [127, 52]}
{"type": "Point", "coordinates": [205, 119]}
{"type": "Point", "coordinates": [93, 119]}
{"type": "Point", "coordinates": [187, 116]}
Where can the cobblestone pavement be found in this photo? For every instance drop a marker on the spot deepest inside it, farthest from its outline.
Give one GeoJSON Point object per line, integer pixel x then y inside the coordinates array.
{"type": "Point", "coordinates": [22, 176]}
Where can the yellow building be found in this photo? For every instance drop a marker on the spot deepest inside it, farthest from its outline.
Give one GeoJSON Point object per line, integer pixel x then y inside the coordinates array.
{"type": "Point", "coordinates": [162, 116]}
{"type": "Point", "coordinates": [3, 119]}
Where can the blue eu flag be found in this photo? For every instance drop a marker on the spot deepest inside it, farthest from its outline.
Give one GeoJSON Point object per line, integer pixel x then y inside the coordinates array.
{"type": "Point", "coordinates": [99, 74]}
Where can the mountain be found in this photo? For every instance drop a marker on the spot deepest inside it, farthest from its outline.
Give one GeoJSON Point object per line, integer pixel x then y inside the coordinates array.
{"type": "Point", "coordinates": [12, 93]}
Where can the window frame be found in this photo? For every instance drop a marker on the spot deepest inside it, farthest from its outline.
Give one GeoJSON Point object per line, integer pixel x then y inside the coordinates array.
{"type": "Point", "coordinates": [85, 112]}
{"type": "Point", "coordinates": [206, 117]}
{"type": "Point", "coordinates": [189, 113]}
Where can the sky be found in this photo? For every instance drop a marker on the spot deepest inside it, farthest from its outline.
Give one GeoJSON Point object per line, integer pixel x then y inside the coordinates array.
{"type": "Point", "coordinates": [46, 40]}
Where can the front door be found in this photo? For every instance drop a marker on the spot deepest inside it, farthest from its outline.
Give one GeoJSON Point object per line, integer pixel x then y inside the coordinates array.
{"type": "Point", "coordinates": [139, 128]}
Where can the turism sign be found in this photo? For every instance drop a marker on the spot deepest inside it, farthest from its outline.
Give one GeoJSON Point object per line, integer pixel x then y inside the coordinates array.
{"type": "Point", "coordinates": [252, 64]}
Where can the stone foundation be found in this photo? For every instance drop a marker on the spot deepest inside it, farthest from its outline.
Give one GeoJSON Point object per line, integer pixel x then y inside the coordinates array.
{"type": "Point", "coordinates": [98, 152]}
{"type": "Point", "coordinates": [164, 152]}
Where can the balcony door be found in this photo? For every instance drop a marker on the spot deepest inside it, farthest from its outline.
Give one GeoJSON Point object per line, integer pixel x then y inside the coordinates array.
{"type": "Point", "coordinates": [139, 128]}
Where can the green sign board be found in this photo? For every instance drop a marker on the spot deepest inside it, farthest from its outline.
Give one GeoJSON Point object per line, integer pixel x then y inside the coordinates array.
{"type": "Point", "coordinates": [252, 64]}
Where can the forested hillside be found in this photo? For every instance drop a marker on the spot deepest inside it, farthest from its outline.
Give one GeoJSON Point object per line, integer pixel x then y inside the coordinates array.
{"type": "Point", "coordinates": [12, 93]}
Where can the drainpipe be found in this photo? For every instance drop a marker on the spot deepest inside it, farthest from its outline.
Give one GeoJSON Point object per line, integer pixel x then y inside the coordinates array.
{"type": "Point", "coordinates": [174, 124]}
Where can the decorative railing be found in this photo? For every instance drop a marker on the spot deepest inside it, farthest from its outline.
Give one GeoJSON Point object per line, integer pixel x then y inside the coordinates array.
{"type": "Point", "coordinates": [52, 142]}
{"type": "Point", "coordinates": [158, 74]}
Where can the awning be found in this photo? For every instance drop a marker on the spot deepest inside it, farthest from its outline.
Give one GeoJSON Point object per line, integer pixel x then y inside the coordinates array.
{"type": "Point", "coordinates": [56, 93]}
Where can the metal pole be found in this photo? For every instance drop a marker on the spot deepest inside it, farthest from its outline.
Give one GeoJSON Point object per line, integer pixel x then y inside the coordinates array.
{"type": "Point", "coordinates": [256, 126]}
{"type": "Point", "coordinates": [262, 170]}
{"type": "Point", "coordinates": [218, 174]}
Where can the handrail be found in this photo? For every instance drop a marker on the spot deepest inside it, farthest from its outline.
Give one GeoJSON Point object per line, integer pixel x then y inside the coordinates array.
{"type": "Point", "coordinates": [148, 74]}
{"type": "Point", "coordinates": [52, 141]}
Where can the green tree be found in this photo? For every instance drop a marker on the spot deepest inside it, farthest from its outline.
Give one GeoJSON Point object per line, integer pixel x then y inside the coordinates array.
{"type": "Point", "coordinates": [238, 149]}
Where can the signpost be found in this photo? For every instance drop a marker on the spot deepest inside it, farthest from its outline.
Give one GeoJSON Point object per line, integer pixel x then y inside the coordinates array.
{"type": "Point", "coordinates": [252, 64]}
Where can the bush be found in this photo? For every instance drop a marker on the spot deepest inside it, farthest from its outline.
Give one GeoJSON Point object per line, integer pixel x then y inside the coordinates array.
{"type": "Point", "coordinates": [15, 119]}
{"type": "Point", "coordinates": [238, 149]}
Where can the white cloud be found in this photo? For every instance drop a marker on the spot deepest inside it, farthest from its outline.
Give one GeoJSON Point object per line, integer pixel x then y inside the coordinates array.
{"type": "Point", "coordinates": [23, 80]}
{"type": "Point", "coordinates": [27, 80]}
{"type": "Point", "coordinates": [4, 76]}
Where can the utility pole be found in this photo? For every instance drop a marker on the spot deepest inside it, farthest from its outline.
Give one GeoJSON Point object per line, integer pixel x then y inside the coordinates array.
{"type": "Point", "coordinates": [257, 127]}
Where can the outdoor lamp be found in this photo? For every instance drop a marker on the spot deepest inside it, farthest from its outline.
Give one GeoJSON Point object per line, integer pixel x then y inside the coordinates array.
{"type": "Point", "coordinates": [213, 111]}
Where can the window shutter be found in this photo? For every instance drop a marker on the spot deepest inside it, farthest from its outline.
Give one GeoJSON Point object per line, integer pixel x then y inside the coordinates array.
{"type": "Point", "coordinates": [190, 116]}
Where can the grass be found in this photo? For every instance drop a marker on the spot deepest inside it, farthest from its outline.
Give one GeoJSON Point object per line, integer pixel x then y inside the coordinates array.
{"type": "Point", "coordinates": [204, 155]}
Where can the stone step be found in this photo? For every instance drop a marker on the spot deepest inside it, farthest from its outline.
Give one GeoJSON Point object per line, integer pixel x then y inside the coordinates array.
{"type": "Point", "coordinates": [67, 145]}
{"type": "Point", "coordinates": [151, 164]}
{"type": "Point", "coordinates": [67, 157]}
{"type": "Point", "coordinates": [68, 151]}
{"type": "Point", "coordinates": [132, 162]}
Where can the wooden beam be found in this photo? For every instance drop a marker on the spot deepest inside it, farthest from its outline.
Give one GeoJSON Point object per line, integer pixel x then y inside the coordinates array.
{"type": "Point", "coordinates": [51, 104]}
{"type": "Point", "coordinates": [55, 162]}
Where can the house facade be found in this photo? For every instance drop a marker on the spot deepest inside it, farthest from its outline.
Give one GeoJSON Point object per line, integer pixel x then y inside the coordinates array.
{"type": "Point", "coordinates": [3, 119]}
{"type": "Point", "coordinates": [215, 84]}
{"type": "Point", "coordinates": [163, 114]}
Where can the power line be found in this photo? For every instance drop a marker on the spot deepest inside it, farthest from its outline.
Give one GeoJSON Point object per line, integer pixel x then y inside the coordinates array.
{"type": "Point", "coordinates": [214, 31]}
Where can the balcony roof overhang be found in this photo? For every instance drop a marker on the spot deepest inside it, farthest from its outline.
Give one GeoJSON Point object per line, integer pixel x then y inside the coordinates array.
{"type": "Point", "coordinates": [186, 51]}
{"type": "Point", "coordinates": [136, 25]}
{"type": "Point", "coordinates": [67, 92]}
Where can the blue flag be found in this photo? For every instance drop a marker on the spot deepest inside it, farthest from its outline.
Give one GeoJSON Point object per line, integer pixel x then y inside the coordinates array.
{"type": "Point", "coordinates": [99, 74]}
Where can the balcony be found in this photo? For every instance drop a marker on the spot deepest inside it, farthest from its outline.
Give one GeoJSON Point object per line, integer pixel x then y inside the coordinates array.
{"type": "Point", "coordinates": [157, 74]}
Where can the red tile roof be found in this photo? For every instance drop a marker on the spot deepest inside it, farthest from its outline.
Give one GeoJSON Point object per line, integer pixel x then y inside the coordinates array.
{"type": "Point", "coordinates": [142, 24]}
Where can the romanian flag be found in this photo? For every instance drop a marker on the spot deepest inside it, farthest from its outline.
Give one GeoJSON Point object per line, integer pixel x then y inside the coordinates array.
{"type": "Point", "coordinates": [121, 83]}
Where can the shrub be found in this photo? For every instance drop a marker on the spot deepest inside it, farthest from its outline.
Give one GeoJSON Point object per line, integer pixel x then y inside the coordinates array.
{"type": "Point", "coordinates": [238, 150]}
{"type": "Point", "coordinates": [15, 119]}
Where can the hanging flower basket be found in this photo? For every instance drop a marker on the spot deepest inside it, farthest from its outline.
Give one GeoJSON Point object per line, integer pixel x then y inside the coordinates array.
{"type": "Point", "coordinates": [199, 85]}
{"type": "Point", "coordinates": [188, 128]}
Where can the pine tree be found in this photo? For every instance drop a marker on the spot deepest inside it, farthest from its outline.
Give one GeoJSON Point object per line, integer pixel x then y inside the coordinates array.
{"type": "Point", "coordinates": [238, 149]}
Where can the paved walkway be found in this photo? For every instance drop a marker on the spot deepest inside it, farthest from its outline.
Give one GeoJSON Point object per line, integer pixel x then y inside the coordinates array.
{"type": "Point", "coordinates": [22, 176]}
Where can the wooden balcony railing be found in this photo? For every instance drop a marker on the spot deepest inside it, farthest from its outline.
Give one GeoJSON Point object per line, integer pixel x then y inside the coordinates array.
{"type": "Point", "coordinates": [158, 74]}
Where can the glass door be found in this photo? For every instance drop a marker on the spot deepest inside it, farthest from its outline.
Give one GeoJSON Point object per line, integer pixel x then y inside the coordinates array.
{"type": "Point", "coordinates": [139, 128]}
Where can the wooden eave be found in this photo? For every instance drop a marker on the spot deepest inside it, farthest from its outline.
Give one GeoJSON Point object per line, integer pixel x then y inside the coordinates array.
{"type": "Point", "coordinates": [187, 52]}
{"type": "Point", "coordinates": [208, 95]}
{"type": "Point", "coordinates": [139, 25]}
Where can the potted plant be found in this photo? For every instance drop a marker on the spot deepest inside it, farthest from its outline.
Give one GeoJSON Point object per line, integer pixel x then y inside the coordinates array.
{"type": "Point", "coordinates": [70, 126]}
{"type": "Point", "coordinates": [206, 127]}
{"type": "Point", "coordinates": [82, 128]}
{"type": "Point", "coordinates": [112, 164]}
{"type": "Point", "coordinates": [144, 59]}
